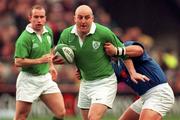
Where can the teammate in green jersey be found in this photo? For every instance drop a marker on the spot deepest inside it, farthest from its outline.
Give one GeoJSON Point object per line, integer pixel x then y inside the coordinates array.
{"type": "Point", "coordinates": [33, 55]}
{"type": "Point", "coordinates": [98, 84]}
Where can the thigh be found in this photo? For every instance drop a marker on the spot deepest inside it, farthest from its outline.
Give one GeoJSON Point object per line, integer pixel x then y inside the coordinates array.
{"type": "Point", "coordinates": [137, 105]}
{"type": "Point", "coordinates": [148, 114]}
{"type": "Point", "coordinates": [97, 111]}
{"type": "Point", "coordinates": [22, 109]}
{"type": "Point", "coordinates": [160, 99]}
{"type": "Point", "coordinates": [129, 114]}
{"type": "Point", "coordinates": [53, 101]}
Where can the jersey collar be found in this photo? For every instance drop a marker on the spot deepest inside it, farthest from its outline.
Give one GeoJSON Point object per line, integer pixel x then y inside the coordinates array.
{"type": "Point", "coordinates": [92, 29]}
{"type": "Point", "coordinates": [30, 29]}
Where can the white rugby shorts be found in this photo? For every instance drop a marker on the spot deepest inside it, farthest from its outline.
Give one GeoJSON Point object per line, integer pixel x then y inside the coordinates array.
{"type": "Point", "coordinates": [29, 87]}
{"type": "Point", "coordinates": [159, 99]}
{"type": "Point", "coordinates": [101, 91]}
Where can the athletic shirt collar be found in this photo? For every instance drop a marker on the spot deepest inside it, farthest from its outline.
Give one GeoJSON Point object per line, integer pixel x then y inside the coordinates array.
{"type": "Point", "coordinates": [92, 29]}
{"type": "Point", "coordinates": [30, 29]}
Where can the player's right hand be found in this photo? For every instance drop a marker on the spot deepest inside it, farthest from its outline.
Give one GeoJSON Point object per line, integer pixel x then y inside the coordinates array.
{"type": "Point", "coordinates": [136, 77]}
{"type": "Point", "coordinates": [46, 58]}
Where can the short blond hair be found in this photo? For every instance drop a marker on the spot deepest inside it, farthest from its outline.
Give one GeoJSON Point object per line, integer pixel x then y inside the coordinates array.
{"type": "Point", "coordinates": [39, 7]}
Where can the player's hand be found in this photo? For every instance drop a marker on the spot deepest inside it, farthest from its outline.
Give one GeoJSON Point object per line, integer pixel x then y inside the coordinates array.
{"type": "Point", "coordinates": [58, 60]}
{"type": "Point", "coordinates": [110, 49]}
{"type": "Point", "coordinates": [45, 58]}
{"type": "Point", "coordinates": [136, 77]}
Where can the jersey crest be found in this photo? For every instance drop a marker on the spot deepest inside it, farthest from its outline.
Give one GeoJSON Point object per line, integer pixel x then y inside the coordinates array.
{"type": "Point", "coordinates": [96, 44]}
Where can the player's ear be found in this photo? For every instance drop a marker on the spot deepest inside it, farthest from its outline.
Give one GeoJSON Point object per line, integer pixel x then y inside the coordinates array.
{"type": "Point", "coordinates": [29, 18]}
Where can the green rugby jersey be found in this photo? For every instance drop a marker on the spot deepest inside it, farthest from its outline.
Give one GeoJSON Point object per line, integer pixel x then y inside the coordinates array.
{"type": "Point", "coordinates": [30, 46]}
{"type": "Point", "coordinates": [91, 58]}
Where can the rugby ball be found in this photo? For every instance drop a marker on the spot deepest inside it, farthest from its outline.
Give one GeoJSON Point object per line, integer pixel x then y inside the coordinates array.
{"type": "Point", "coordinates": [65, 52]}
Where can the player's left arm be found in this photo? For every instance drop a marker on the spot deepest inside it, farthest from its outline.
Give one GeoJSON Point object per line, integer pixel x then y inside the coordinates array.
{"type": "Point", "coordinates": [114, 47]}
{"type": "Point", "coordinates": [52, 70]}
{"type": "Point", "coordinates": [135, 77]}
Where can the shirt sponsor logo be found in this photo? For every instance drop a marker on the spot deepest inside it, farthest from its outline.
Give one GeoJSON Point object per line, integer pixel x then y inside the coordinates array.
{"type": "Point", "coordinates": [96, 44]}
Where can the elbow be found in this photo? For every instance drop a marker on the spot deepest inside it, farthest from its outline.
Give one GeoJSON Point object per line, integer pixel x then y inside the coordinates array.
{"type": "Point", "coordinates": [140, 52]}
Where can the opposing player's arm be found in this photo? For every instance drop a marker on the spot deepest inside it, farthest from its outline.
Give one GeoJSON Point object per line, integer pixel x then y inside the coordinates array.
{"type": "Point", "coordinates": [134, 50]}
{"type": "Point", "coordinates": [131, 50]}
{"type": "Point", "coordinates": [135, 77]}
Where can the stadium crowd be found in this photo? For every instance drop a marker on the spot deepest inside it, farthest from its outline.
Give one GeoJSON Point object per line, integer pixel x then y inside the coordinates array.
{"type": "Point", "coordinates": [13, 16]}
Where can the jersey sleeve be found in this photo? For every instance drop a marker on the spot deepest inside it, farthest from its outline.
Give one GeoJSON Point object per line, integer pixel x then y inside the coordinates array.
{"type": "Point", "coordinates": [63, 38]}
{"type": "Point", "coordinates": [23, 46]}
{"type": "Point", "coordinates": [117, 43]}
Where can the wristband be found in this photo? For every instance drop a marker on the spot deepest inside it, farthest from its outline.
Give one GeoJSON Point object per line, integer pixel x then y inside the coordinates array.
{"type": "Point", "coordinates": [117, 52]}
{"type": "Point", "coordinates": [121, 51]}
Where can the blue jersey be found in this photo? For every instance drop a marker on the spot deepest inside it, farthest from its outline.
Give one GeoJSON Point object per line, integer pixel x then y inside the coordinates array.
{"type": "Point", "coordinates": [143, 64]}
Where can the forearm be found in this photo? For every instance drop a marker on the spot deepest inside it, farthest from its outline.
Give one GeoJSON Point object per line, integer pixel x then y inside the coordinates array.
{"type": "Point", "coordinates": [130, 66]}
{"type": "Point", "coordinates": [19, 62]}
{"type": "Point", "coordinates": [134, 51]}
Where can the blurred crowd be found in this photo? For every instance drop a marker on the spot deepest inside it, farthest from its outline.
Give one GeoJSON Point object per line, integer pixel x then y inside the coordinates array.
{"type": "Point", "coordinates": [13, 20]}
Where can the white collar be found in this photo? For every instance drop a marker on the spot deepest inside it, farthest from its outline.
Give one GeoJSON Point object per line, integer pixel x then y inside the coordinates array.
{"type": "Point", "coordinates": [31, 30]}
{"type": "Point", "coordinates": [92, 29]}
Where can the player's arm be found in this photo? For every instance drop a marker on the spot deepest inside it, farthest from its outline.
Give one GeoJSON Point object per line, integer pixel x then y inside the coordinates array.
{"type": "Point", "coordinates": [134, 50]}
{"type": "Point", "coordinates": [131, 51]}
{"type": "Point", "coordinates": [22, 51]}
{"type": "Point", "coordinates": [113, 46]}
{"type": "Point", "coordinates": [135, 77]}
{"type": "Point", "coordinates": [22, 62]}
{"type": "Point", "coordinates": [52, 68]}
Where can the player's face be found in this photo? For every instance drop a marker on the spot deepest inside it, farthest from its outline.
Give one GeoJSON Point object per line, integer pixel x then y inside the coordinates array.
{"type": "Point", "coordinates": [37, 19]}
{"type": "Point", "coordinates": [83, 22]}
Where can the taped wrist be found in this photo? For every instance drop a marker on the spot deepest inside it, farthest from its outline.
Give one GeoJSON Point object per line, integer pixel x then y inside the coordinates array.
{"type": "Point", "coordinates": [121, 51]}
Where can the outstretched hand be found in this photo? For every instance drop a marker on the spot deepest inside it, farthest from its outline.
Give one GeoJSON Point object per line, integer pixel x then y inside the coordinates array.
{"type": "Point", "coordinates": [136, 77]}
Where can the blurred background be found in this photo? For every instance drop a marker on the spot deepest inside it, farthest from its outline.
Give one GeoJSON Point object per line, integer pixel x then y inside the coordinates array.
{"type": "Point", "coordinates": [155, 23]}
